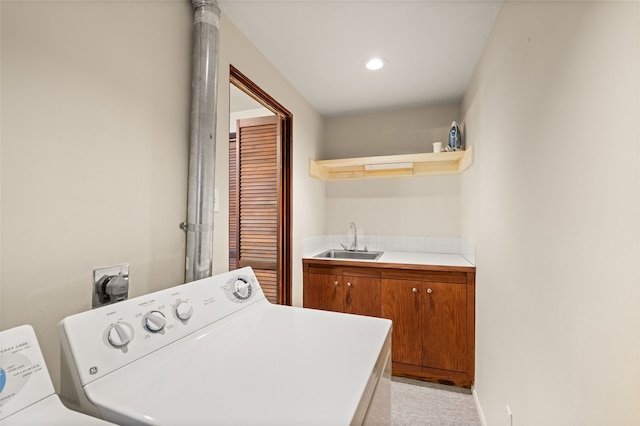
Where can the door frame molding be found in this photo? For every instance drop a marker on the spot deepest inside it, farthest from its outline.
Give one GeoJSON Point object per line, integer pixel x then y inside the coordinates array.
{"type": "Point", "coordinates": [285, 160]}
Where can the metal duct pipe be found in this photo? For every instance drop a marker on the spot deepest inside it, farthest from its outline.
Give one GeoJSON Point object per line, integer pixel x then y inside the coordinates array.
{"type": "Point", "coordinates": [202, 145]}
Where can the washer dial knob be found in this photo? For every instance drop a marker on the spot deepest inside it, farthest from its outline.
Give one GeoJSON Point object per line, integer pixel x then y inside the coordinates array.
{"type": "Point", "coordinates": [118, 335]}
{"type": "Point", "coordinates": [154, 321]}
{"type": "Point", "coordinates": [184, 310]}
{"type": "Point", "coordinates": [242, 289]}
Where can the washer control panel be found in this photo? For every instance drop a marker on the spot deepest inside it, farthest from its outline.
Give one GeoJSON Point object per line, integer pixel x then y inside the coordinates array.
{"type": "Point", "coordinates": [102, 340]}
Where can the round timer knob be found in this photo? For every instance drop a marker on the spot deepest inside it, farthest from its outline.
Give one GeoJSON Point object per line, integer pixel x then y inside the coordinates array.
{"type": "Point", "coordinates": [118, 335]}
{"type": "Point", "coordinates": [243, 288]}
{"type": "Point", "coordinates": [238, 289]}
{"type": "Point", "coordinates": [154, 321]}
{"type": "Point", "coordinates": [184, 310]}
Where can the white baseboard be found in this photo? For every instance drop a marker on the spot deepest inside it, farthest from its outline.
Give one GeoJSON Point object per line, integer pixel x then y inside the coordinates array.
{"type": "Point", "coordinates": [478, 407]}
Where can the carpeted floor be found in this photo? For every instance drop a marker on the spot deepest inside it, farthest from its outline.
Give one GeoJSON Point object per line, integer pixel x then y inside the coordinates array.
{"type": "Point", "coordinates": [414, 403]}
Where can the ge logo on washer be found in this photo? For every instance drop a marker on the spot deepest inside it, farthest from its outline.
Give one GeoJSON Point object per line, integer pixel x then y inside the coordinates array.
{"type": "Point", "coordinates": [239, 289]}
{"type": "Point", "coordinates": [93, 370]}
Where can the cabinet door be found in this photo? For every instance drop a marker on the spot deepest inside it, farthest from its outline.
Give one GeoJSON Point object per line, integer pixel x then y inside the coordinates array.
{"type": "Point", "coordinates": [363, 295]}
{"type": "Point", "coordinates": [444, 326]}
{"type": "Point", "coordinates": [325, 292]}
{"type": "Point", "coordinates": [401, 303]}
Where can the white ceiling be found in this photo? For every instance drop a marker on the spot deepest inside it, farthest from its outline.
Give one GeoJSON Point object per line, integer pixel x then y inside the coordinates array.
{"type": "Point", "coordinates": [432, 48]}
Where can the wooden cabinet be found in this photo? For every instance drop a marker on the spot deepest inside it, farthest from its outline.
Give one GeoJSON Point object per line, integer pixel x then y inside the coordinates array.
{"type": "Point", "coordinates": [432, 309]}
{"type": "Point", "coordinates": [350, 290]}
{"type": "Point", "coordinates": [433, 324]}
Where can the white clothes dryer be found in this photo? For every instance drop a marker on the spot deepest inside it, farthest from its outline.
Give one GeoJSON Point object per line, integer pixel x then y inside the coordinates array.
{"type": "Point", "coordinates": [215, 351]}
{"type": "Point", "coordinates": [27, 395]}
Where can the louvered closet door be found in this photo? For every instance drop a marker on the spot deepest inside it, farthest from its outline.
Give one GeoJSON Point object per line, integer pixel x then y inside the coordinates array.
{"type": "Point", "coordinates": [258, 200]}
{"type": "Point", "coordinates": [233, 222]}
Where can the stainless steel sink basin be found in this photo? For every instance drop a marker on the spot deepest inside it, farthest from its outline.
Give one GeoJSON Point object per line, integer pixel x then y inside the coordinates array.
{"type": "Point", "coordinates": [347, 254]}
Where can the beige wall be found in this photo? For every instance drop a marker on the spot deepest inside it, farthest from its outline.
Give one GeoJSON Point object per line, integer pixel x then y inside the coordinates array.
{"type": "Point", "coordinates": [404, 131]}
{"type": "Point", "coordinates": [308, 193]}
{"type": "Point", "coordinates": [95, 110]}
{"type": "Point", "coordinates": [420, 206]}
{"type": "Point", "coordinates": [423, 206]}
{"type": "Point", "coordinates": [552, 203]}
{"type": "Point", "coordinates": [95, 129]}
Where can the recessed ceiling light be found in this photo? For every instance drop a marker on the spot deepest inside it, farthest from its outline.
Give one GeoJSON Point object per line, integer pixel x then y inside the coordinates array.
{"type": "Point", "coordinates": [374, 64]}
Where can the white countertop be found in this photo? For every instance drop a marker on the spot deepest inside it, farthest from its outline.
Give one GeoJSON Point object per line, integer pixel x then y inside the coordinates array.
{"type": "Point", "coordinates": [412, 258]}
{"type": "Point", "coordinates": [439, 259]}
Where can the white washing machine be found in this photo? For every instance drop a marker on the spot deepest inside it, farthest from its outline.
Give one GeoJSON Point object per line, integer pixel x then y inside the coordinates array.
{"type": "Point", "coordinates": [215, 351]}
{"type": "Point", "coordinates": [27, 396]}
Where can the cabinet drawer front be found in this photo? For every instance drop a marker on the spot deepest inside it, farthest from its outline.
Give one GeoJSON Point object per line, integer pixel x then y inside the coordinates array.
{"type": "Point", "coordinates": [361, 272]}
{"type": "Point", "coordinates": [344, 270]}
{"type": "Point", "coordinates": [442, 277]}
{"type": "Point", "coordinates": [327, 270]}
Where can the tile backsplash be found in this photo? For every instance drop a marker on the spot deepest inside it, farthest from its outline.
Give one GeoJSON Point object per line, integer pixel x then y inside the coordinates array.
{"type": "Point", "coordinates": [311, 246]}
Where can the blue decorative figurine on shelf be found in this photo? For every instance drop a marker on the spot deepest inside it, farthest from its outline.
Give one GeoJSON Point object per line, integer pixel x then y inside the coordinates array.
{"type": "Point", "coordinates": [455, 139]}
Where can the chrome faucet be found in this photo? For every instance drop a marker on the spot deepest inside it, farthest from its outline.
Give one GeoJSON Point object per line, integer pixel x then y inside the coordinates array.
{"type": "Point", "coordinates": [354, 245]}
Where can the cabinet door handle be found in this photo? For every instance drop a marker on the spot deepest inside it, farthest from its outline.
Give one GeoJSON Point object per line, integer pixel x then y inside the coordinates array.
{"type": "Point", "coordinates": [429, 291]}
{"type": "Point", "coordinates": [335, 283]}
{"type": "Point", "coordinates": [348, 284]}
{"type": "Point", "coordinates": [415, 290]}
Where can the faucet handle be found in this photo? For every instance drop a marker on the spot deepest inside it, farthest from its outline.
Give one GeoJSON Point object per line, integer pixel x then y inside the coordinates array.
{"type": "Point", "coordinates": [343, 246]}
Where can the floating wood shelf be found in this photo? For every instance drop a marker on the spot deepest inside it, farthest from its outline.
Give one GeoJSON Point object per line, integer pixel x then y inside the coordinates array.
{"type": "Point", "coordinates": [427, 164]}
